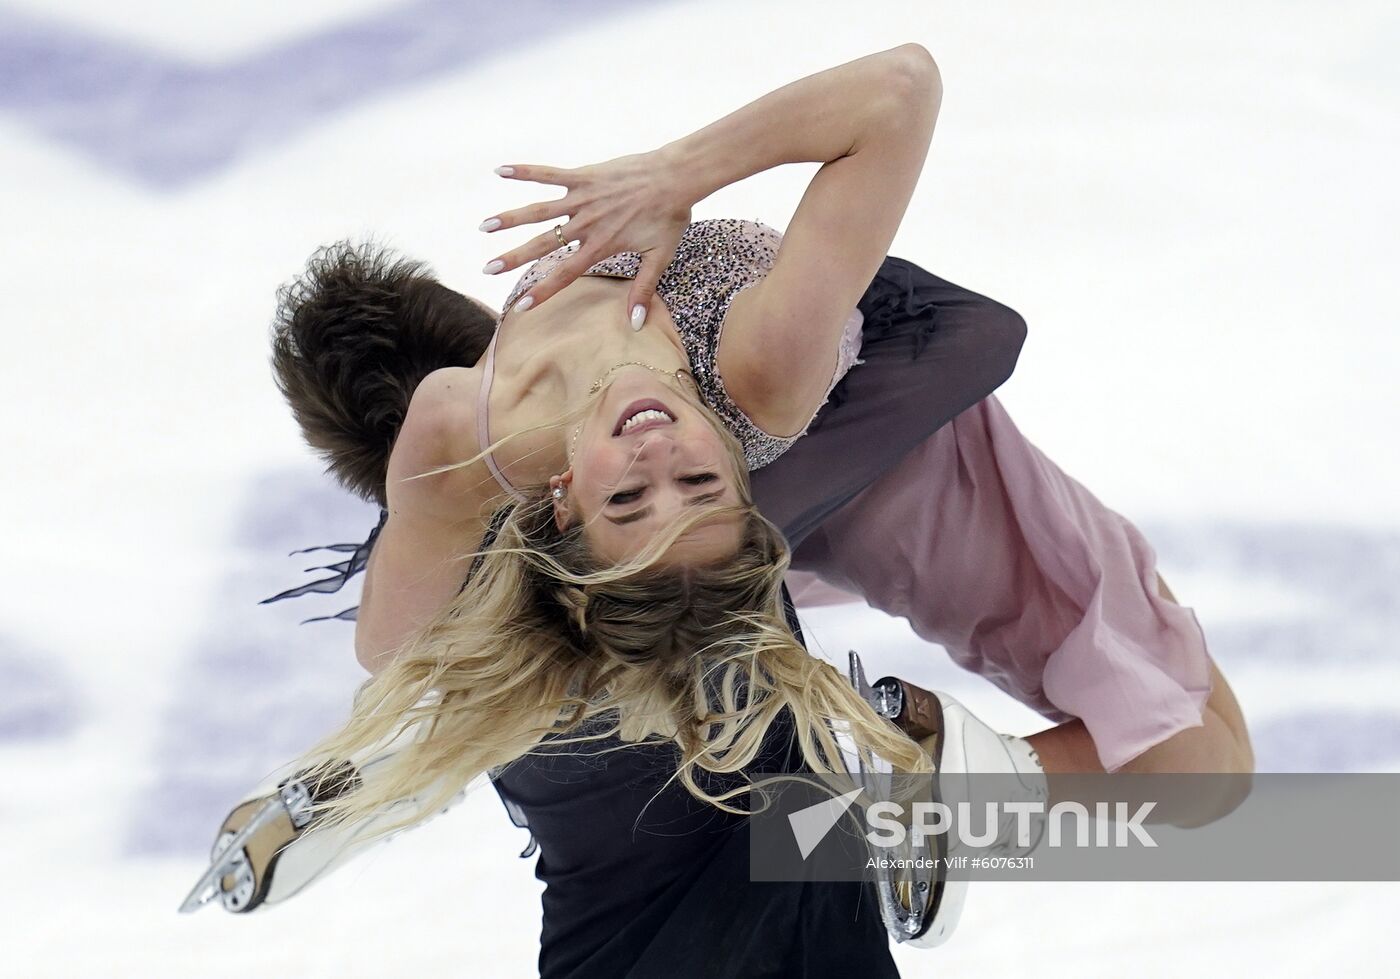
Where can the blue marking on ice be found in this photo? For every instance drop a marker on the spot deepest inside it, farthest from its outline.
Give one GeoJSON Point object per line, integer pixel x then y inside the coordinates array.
{"type": "Point", "coordinates": [37, 698]}
{"type": "Point", "coordinates": [1328, 741]}
{"type": "Point", "coordinates": [257, 689]}
{"type": "Point", "coordinates": [168, 123]}
{"type": "Point", "coordinates": [1348, 608]}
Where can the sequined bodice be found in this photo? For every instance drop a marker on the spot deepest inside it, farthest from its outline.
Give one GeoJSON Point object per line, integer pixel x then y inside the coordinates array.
{"type": "Point", "coordinates": [717, 259]}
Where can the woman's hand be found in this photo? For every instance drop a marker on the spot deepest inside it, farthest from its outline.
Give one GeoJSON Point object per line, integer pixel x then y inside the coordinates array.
{"type": "Point", "coordinates": [634, 203]}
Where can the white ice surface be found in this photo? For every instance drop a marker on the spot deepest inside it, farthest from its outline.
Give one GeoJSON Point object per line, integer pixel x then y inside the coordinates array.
{"type": "Point", "coordinates": [1192, 204]}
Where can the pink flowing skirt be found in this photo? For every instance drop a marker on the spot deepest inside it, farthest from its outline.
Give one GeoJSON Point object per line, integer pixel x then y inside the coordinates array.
{"type": "Point", "coordinates": [1025, 577]}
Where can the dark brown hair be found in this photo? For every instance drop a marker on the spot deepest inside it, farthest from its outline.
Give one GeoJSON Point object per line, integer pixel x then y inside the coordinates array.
{"type": "Point", "coordinates": [353, 336]}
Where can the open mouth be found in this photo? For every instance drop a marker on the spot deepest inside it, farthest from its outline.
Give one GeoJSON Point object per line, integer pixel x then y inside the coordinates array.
{"type": "Point", "coordinates": [642, 415]}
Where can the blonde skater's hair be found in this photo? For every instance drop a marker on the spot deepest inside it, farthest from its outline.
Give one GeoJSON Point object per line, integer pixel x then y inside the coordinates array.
{"type": "Point", "coordinates": [547, 642]}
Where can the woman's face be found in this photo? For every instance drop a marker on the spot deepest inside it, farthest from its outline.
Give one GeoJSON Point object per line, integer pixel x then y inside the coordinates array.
{"type": "Point", "coordinates": [644, 457]}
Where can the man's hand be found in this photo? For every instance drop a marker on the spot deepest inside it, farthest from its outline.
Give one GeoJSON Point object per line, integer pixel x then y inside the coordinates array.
{"type": "Point", "coordinates": [634, 203]}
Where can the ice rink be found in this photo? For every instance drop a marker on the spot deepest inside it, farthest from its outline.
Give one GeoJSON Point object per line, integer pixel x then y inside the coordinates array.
{"type": "Point", "coordinates": [1193, 205]}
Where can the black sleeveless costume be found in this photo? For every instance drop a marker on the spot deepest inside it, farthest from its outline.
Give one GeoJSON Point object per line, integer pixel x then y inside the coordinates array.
{"type": "Point", "coordinates": [642, 880]}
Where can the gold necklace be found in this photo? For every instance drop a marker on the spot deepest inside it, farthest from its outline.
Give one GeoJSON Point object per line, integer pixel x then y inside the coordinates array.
{"type": "Point", "coordinates": [679, 373]}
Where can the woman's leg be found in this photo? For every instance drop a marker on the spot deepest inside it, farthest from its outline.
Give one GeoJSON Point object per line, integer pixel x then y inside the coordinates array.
{"type": "Point", "coordinates": [932, 350]}
{"type": "Point", "coordinates": [991, 550]}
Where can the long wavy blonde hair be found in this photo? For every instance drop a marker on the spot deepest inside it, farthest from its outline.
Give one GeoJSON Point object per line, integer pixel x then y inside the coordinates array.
{"type": "Point", "coordinates": [545, 642]}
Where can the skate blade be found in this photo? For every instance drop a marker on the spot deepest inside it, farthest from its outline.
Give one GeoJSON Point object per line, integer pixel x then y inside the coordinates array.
{"type": "Point", "coordinates": [210, 884]}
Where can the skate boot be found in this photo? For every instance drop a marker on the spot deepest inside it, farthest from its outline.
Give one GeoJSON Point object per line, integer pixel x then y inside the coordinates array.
{"type": "Point", "coordinates": [263, 854]}
{"type": "Point", "coordinates": [923, 909]}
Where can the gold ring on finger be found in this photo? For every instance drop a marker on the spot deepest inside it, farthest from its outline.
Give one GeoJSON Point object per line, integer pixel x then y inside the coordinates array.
{"type": "Point", "coordinates": [559, 233]}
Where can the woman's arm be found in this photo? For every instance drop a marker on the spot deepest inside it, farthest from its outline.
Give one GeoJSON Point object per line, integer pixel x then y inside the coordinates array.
{"type": "Point", "coordinates": [641, 202]}
{"type": "Point", "coordinates": [817, 119]}
{"type": "Point", "coordinates": [435, 523]}
{"type": "Point", "coordinates": [870, 123]}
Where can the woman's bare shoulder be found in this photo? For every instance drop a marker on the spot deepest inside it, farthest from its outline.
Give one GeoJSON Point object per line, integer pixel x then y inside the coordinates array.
{"type": "Point", "coordinates": [440, 429]}
{"type": "Point", "coordinates": [446, 391]}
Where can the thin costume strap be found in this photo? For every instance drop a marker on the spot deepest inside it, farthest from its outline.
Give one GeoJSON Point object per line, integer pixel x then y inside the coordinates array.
{"type": "Point", "coordinates": [483, 421]}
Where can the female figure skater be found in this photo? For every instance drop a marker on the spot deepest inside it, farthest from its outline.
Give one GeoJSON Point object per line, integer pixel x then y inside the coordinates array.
{"type": "Point", "coordinates": [568, 576]}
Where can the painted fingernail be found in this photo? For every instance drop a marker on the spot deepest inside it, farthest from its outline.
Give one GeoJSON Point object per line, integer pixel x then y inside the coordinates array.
{"type": "Point", "coordinates": [493, 266]}
{"type": "Point", "coordinates": [490, 224]}
{"type": "Point", "coordinates": [639, 315]}
{"type": "Point", "coordinates": [525, 303]}
{"type": "Point", "coordinates": [505, 171]}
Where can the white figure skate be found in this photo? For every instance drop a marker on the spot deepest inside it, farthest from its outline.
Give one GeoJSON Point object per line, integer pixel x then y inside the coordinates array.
{"type": "Point", "coordinates": [263, 856]}
{"type": "Point", "coordinates": [923, 910]}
